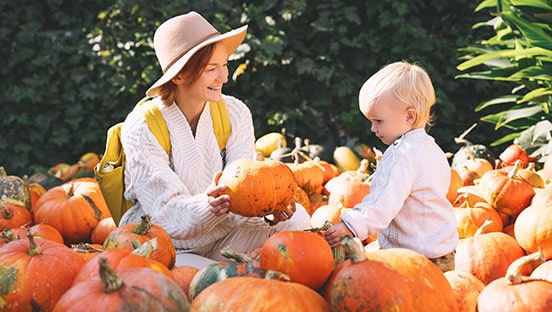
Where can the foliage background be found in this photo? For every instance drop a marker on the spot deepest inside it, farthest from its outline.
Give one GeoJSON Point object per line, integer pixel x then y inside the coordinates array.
{"type": "Point", "coordinates": [73, 68]}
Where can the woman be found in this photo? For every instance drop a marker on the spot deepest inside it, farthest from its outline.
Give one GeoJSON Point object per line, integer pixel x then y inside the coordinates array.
{"type": "Point", "coordinates": [178, 191]}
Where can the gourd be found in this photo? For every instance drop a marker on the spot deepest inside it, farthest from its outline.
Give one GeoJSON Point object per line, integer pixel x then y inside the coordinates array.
{"type": "Point", "coordinates": [258, 187]}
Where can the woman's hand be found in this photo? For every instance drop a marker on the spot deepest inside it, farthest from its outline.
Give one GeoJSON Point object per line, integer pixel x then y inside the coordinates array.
{"type": "Point", "coordinates": [336, 232]}
{"type": "Point", "coordinates": [218, 199]}
{"type": "Point", "coordinates": [282, 215]}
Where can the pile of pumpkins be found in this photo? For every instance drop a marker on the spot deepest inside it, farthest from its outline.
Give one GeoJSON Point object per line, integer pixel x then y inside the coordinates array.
{"type": "Point", "coordinates": [80, 258]}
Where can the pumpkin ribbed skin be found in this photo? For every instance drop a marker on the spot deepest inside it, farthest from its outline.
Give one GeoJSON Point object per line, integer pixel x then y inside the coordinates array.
{"type": "Point", "coordinates": [34, 274]}
{"type": "Point", "coordinates": [142, 289]}
{"type": "Point", "coordinates": [305, 257]}
{"type": "Point", "coordinates": [74, 208]}
{"type": "Point", "coordinates": [533, 229]}
{"type": "Point", "coordinates": [429, 287]}
{"type": "Point", "coordinates": [131, 236]}
{"type": "Point", "coordinates": [245, 294]}
{"type": "Point", "coordinates": [258, 187]}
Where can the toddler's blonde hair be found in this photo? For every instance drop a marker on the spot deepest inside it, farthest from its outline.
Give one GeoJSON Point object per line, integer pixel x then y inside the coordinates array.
{"type": "Point", "coordinates": [410, 83]}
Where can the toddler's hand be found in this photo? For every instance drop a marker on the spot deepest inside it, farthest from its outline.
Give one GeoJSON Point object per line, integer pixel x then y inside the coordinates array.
{"type": "Point", "coordinates": [334, 234]}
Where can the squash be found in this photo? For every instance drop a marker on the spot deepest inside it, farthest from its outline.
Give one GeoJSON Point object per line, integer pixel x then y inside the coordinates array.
{"type": "Point", "coordinates": [348, 288]}
{"type": "Point", "coordinates": [13, 190]}
{"type": "Point", "coordinates": [133, 289]}
{"type": "Point", "coordinates": [133, 235]}
{"type": "Point", "coordinates": [305, 257]}
{"type": "Point", "coordinates": [258, 187]}
{"type": "Point", "coordinates": [34, 274]}
{"type": "Point", "coordinates": [515, 292]}
{"type": "Point", "coordinates": [273, 293]}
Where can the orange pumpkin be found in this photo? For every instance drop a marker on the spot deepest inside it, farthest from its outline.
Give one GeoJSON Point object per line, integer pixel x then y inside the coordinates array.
{"type": "Point", "coordinates": [469, 219]}
{"type": "Point", "coordinates": [473, 169]}
{"type": "Point", "coordinates": [308, 175]}
{"type": "Point", "coordinates": [39, 272]}
{"type": "Point", "coordinates": [102, 230]}
{"type": "Point", "coordinates": [124, 290]}
{"type": "Point", "coordinates": [506, 192]}
{"type": "Point", "coordinates": [133, 235]}
{"type": "Point", "coordinates": [347, 288]}
{"type": "Point", "coordinates": [466, 288]}
{"type": "Point", "coordinates": [258, 187]}
{"type": "Point", "coordinates": [35, 191]}
{"type": "Point", "coordinates": [543, 271]}
{"type": "Point", "coordinates": [487, 255]}
{"type": "Point", "coordinates": [347, 190]}
{"type": "Point", "coordinates": [42, 231]}
{"type": "Point", "coordinates": [12, 216]}
{"type": "Point", "coordinates": [422, 276]}
{"type": "Point", "coordinates": [123, 259]}
{"type": "Point", "coordinates": [183, 275]}
{"type": "Point", "coordinates": [244, 293]}
{"type": "Point", "coordinates": [305, 257]}
{"type": "Point", "coordinates": [74, 208]}
{"type": "Point", "coordinates": [515, 292]}
{"type": "Point", "coordinates": [455, 183]}
{"type": "Point", "coordinates": [512, 154]}
{"type": "Point", "coordinates": [533, 229]}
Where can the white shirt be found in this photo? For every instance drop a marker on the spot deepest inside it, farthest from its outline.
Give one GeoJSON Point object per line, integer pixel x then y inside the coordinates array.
{"type": "Point", "coordinates": [173, 191]}
{"type": "Point", "coordinates": [407, 204]}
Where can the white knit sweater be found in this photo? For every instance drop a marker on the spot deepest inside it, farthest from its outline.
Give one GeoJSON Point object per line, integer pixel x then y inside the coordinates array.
{"type": "Point", "coordinates": [173, 191]}
{"type": "Point", "coordinates": [407, 204]}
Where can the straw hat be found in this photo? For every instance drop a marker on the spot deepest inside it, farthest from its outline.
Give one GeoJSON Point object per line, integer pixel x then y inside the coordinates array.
{"type": "Point", "coordinates": [180, 37]}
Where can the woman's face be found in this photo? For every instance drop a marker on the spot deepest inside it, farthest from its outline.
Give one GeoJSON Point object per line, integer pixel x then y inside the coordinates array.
{"type": "Point", "coordinates": [208, 87]}
{"type": "Point", "coordinates": [390, 118]}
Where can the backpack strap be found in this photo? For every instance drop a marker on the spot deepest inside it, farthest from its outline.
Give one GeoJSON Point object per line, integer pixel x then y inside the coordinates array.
{"type": "Point", "coordinates": [221, 126]}
{"type": "Point", "coordinates": [156, 123]}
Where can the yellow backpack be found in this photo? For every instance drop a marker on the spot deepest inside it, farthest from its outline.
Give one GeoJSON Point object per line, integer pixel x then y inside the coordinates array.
{"type": "Point", "coordinates": [110, 170]}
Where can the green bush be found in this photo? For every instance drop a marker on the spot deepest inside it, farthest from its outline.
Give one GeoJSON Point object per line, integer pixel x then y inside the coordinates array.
{"type": "Point", "coordinates": [73, 68]}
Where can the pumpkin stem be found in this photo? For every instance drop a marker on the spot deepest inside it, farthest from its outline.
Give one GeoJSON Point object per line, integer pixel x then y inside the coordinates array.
{"type": "Point", "coordinates": [461, 140]}
{"type": "Point", "coordinates": [84, 248]}
{"type": "Point", "coordinates": [276, 276]}
{"type": "Point", "coordinates": [323, 228]}
{"type": "Point", "coordinates": [71, 191]}
{"type": "Point", "coordinates": [143, 227]}
{"type": "Point", "coordinates": [483, 227]}
{"type": "Point", "coordinates": [147, 248]}
{"type": "Point", "coordinates": [34, 249]}
{"type": "Point", "coordinates": [513, 274]}
{"type": "Point", "coordinates": [514, 170]}
{"type": "Point", "coordinates": [356, 254]}
{"type": "Point", "coordinates": [7, 214]}
{"type": "Point", "coordinates": [110, 280]}
{"type": "Point", "coordinates": [3, 172]}
{"type": "Point", "coordinates": [229, 253]}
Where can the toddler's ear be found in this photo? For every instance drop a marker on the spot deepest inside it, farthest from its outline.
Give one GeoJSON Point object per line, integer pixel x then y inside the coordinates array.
{"type": "Point", "coordinates": [410, 115]}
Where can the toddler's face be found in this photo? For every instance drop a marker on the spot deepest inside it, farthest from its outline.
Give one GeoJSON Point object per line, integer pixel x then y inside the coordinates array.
{"type": "Point", "coordinates": [390, 118]}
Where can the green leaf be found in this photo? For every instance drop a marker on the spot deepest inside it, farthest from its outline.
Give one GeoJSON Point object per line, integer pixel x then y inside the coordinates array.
{"type": "Point", "coordinates": [480, 59]}
{"type": "Point", "coordinates": [535, 94]}
{"type": "Point", "coordinates": [506, 99]}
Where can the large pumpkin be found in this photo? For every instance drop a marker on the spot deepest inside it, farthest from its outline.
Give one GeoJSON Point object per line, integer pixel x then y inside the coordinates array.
{"type": "Point", "coordinates": [533, 229]}
{"type": "Point", "coordinates": [305, 257]}
{"type": "Point", "coordinates": [74, 208]}
{"type": "Point", "coordinates": [133, 235]}
{"type": "Point", "coordinates": [515, 292]}
{"type": "Point", "coordinates": [244, 293]}
{"type": "Point", "coordinates": [258, 187]}
{"type": "Point", "coordinates": [348, 288]}
{"type": "Point", "coordinates": [34, 274]}
{"type": "Point", "coordinates": [134, 289]}
{"type": "Point", "coordinates": [429, 287]}
{"type": "Point", "coordinates": [487, 255]}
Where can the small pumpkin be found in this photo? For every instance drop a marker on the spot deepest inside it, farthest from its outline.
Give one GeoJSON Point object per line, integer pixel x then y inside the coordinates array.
{"type": "Point", "coordinates": [133, 289]}
{"type": "Point", "coordinates": [13, 215]}
{"type": "Point", "coordinates": [74, 208]}
{"type": "Point", "coordinates": [258, 187]}
{"type": "Point", "coordinates": [514, 153]}
{"type": "Point", "coordinates": [42, 231]}
{"type": "Point", "coordinates": [133, 235]}
{"type": "Point", "coordinates": [506, 192]}
{"type": "Point", "coordinates": [466, 288]}
{"type": "Point", "coordinates": [305, 257]}
{"type": "Point", "coordinates": [102, 230]}
{"type": "Point", "coordinates": [14, 190]}
{"type": "Point", "coordinates": [183, 275]}
{"type": "Point", "coordinates": [470, 218]}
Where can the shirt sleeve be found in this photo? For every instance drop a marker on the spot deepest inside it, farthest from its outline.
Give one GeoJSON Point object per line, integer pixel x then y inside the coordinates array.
{"type": "Point", "coordinates": [386, 198]}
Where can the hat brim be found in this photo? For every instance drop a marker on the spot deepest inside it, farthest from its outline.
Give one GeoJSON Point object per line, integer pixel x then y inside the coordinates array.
{"type": "Point", "coordinates": [231, 39]}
